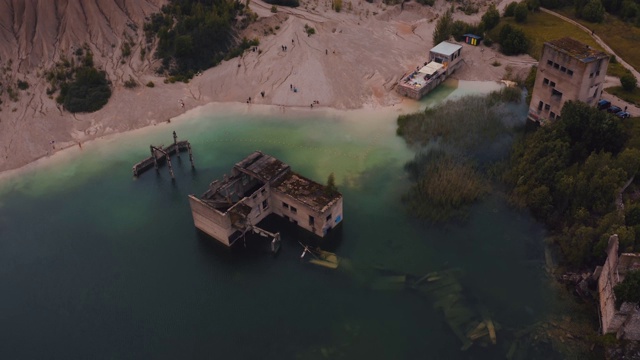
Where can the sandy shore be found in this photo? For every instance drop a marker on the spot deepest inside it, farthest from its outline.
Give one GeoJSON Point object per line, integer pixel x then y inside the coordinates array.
{"type": "Point", "coordinates": [352, 61]}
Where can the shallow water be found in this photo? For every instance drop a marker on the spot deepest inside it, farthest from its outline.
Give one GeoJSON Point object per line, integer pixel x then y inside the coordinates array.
{"type": "Point", "coordinates": [95, 264]}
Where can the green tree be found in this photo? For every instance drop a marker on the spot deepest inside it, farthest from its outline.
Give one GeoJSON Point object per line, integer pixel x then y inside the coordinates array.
{"type": "Point", "coordinates": [533, 5]}
{"type": "Point", "coordinates": [520, 13]}
{"type": "Point", "coordinates": [593, 11]}
{"type": "Point", "coordinates": [443, 28]}
{"type": "Point", "coordinates": [89, 92]}
{"type": "Point", "coordinates": [184, 46]}
{"type": "Point", "coordinates": [491, 18]}
{"type": "Point", "coordinates": [629, 10]}
{"type": "Point", "coordinates": [632, 216]}
{"type": "Point", "coordinates": [510, 10]}
{"type": "Point", "coordinates": [513, 41]}
{"type": "Point", "coordinates": [590, 130]}
{"type": "Point", "coordinates": [629, 82]}
{"type": "Point", "coordinates": [629, 289]}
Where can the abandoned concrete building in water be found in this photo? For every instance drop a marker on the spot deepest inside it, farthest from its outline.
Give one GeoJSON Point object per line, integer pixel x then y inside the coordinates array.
{"type": "Point", "coordinates": [258, 186]}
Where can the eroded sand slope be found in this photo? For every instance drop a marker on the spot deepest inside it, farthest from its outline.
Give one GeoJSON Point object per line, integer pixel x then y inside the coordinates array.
{"type": "Point", "coordinates": [354, 59]}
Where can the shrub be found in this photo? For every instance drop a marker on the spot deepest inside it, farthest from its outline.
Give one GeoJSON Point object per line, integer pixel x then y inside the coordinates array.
{"type": "Point", "coordinates": [151, 84]}
{"type": "Point", "coordinates": [423, 2]}
{"type": "Point", "coordinates": [533, 5]}
{"type": "Point", "coordinates": [491, 18]}
{"type": "Point", "coordinates": [521, 12]}
{"type": "Point", "coordinates": [593, 11]}
{"type": "Point", "coordinates": [513, 41]}
{"type": "Point", "coordinates": [510, 10]}
{"type": "Point", "coordinates": [23, 85]}
{"type": "Point", "coordinates": [13, 95]}
{"type": "Point", "coordinates": [309, 30]}
{"type": "Point", "coordinates": [629, 289]}
{"type": "Point", "coordinates": [629, 82]}
{"type": "Point", "coordinates": [444, 27]}
{"type": "Point", "coordinates": [629, 10]}
{"type": "Point", "coordinates": [126, 49]}
{"type": "Point", "coordinates": [336, 5]}
{"type": "Point", "coordinates": [274, 9]}
{"type": "Point", "coordinates": [89, 91]}
{"type": "Point", "coordinates": [131, 83]}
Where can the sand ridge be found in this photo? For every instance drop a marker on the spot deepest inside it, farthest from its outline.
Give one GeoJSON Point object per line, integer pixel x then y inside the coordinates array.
{"type": "Point", "coordinates": [353, 60]}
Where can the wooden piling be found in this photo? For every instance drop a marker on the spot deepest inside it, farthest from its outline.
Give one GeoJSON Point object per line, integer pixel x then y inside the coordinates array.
{"type": "Point", "coordinates": [153, 155]}
{"type": "Point", "coordinates": [190, 156]}
{"type": "Point", "coordinates": [159, 153]}
{"type": "Point", "coordinates": [175, 143]}
{"type": "Point", "coordinates": [170, 167]}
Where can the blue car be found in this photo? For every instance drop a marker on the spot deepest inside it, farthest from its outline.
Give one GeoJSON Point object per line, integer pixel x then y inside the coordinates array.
{"type": "Point", "coordinates": [603, 104]}
{"type": "Point", "coordinates": [623, 114]}
{"type": "Point", "coordinates": [613, 109]}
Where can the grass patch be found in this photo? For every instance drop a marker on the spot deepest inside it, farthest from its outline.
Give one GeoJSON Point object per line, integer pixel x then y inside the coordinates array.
{"type": "Point", "coordinates": [616, 69]}
{"type": "Point", "coordinates": [632, 97]}
{"type": "Point", "coordinates": [542, 27]}
{"type": "Point", "coordinates": [622, 37]}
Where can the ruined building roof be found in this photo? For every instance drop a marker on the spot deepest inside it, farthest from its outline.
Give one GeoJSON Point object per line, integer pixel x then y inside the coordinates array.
{"type": "Point", "coordinates": [262, 167]}
{"type": "Point", "coordinates": [576, 49]}
{"type": "Point", "coordinates": [309, 192]}
{"type": "Point", "coordinates": [446, 48]}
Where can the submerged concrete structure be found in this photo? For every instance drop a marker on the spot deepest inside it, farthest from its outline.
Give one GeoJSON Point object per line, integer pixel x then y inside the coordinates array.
{"type": "Point", "coordinates": [568, 70]}
{"type": "Point", "coordinates": [444, 59]}
{"type": "Point", "coordinates": [625, 321]}
{"type": "Point", "coordinates": [258, 186]}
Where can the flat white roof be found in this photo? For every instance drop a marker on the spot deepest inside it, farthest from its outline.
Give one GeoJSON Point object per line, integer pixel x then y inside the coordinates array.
{"type": "Point", "coordinates": [431, 68]}
{"type": "Point", "coordinates": [446, 48]}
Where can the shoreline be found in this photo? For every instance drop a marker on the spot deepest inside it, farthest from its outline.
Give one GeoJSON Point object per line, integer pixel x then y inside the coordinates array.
{"type": "Point", "coordinates": [219, 109]}
{"type": "Point", "coordinates": [338, 68]}
{"type": "Point", "coordinates": [216, 109]}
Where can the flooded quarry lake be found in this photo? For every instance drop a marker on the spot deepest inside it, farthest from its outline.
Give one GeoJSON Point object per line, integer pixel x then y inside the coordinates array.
{"type": "Point", "coordinates": [97, 264]}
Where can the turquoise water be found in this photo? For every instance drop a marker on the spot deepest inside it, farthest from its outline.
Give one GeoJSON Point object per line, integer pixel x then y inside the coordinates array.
{"type": "Point", "coordinates": [95, 264]}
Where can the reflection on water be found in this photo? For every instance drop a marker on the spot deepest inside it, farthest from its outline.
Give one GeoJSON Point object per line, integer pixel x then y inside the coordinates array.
{"type": "Point", "coordinates": [96, 264]}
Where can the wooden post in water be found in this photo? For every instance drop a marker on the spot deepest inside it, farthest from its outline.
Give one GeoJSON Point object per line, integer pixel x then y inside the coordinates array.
{"type": "Point", "coordinates": [190, 155]}
{"type": "Point", "coordinates": [175, 143]}
{"type": "Point", "coordinates": [170, 167]}
{"type": "Point", "coordinates": [153, 155]}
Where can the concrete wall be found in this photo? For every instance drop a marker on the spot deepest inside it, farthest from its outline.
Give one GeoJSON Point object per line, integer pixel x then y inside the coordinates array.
{"type": "Point", "coordinates": [210, 221]}
{"type": "Point", "coordinates": [302, 212]}
{"type": "Point", "coordinates": [606, 282]}
{"type": "Point", "coordinates": [256, 202]}
{"type": "Point", "coordinates": [451, 62]}
{"type": "Point", "coordinates": [335, 210]}
{"type": "Point", "coordinates": [417, 94]}
{"type": "Point", "coordinates": [585, 84]}
{"type": "Point", "coordinates": [625, 322]}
